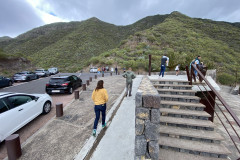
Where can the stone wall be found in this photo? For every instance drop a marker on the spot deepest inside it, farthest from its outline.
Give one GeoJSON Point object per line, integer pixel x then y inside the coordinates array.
{"type": "Point", "coordinates": [147, 124]}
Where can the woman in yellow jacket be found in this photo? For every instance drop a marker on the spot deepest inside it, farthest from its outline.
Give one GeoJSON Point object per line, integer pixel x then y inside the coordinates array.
{"type": "Point", "coordinates": [99, 97]}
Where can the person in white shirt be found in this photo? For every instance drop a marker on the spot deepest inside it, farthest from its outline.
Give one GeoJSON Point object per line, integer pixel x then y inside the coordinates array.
{"type": "Point", "coordinates": [177, 69]}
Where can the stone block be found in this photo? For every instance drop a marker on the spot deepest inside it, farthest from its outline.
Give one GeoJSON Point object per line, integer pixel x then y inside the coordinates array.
{"type": "Point", "coordinates": [155, 116]}
{"type": "Point", "coordinates": [139, 128]}
{"type": "Point", "coordinates": [151, 101]}
{"type": "Point", "coordinates": [142, 113]}
{"type": "Point", "coordinates": [151, 131]}
{"type": "Point", "coordinates": [154, 150]}
{"type": "Point", "coordinates": [138, 99]}
{"type": "Point", "coordinates": [140, 146]}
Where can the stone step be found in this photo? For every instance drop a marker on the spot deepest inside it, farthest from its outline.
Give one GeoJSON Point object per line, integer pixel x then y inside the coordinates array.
{"type": "Point", "coordinates": [180, 98]}
{"type": "Point", "coordinates": [182, 105]}
{"type": "Point", "coordinates": [194, 147]}
{"type": "Point", "coordinates": [172, 86]}
{"type": "Point", "coordinates": [169, 81]}
{"type": "Point", "coordinates": [183, 113]}
{"type": "Point", "coordinates": [176, 92]}
{"type": "Point", "coordinates": [165, 154]}
{"type": "Point", "coordinates": [191, 134]}
{"type": "Point", "coordinates": [187, 123]}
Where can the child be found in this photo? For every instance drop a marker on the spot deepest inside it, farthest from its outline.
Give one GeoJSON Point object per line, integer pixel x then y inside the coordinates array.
{"type": "Point", "coordinates": [177, 69]}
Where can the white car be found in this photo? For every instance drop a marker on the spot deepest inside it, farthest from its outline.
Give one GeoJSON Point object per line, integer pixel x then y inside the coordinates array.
{"type": "Point", "coordinates": [17, 109]}
{"type": "Point", "coordinates": [93, 70]}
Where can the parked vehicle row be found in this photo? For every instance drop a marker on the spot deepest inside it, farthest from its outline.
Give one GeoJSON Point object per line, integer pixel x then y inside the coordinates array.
{"type": "Point", "coordinates": [18, 109]}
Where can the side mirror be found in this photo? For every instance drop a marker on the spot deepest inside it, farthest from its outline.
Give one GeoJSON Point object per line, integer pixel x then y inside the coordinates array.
{"type": "Point", "coordinates": [36, 99]}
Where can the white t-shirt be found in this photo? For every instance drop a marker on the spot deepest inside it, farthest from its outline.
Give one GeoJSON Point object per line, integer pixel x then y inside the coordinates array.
{"type": "Point", "coordinates": [177, 68]}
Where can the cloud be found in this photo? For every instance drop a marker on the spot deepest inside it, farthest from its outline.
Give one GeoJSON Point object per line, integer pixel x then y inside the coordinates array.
{"type": "Point", "coordinates": [17, 17]}
{"type": "Point", "coordinates": [25, 15]}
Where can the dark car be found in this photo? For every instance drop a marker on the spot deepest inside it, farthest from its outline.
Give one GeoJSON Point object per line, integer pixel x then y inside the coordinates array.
{"type": "Point", "coordinates": [4, 81]}
{"type": "Point", "coordinates": [25, 76]}
{"type": "Point", "coordinates": [63, 84]}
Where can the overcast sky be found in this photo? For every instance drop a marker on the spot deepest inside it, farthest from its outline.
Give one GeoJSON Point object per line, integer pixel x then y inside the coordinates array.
{"type": "Point", "coordinates": [19, 16]}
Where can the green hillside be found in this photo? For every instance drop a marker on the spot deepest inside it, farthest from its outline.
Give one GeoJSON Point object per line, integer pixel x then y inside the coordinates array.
{"type": "Point", "coordinates": [69, 46]}
{"type": "Point", "coordinates": [182, 38]}
{"type": "Point", "coordinates": [75, 45]}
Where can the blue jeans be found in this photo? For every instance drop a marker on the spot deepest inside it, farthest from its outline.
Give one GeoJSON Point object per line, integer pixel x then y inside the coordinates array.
{"type": "Point", "coordinates": [163, 67]}
{"type": "Point", "coordinates": [98, 109]}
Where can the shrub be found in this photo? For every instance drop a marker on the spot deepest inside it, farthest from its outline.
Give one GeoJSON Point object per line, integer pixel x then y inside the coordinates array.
{"type": "Point", "coordinates": [226, 79]}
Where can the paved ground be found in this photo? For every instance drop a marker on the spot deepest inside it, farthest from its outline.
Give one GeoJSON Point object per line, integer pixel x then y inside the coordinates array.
{"type": "Point", "coordinates": [63, 138]}
{"type": "Point", "coordinates": [118, 142]}
{"type": "Point", "coordinates": [234, 103]}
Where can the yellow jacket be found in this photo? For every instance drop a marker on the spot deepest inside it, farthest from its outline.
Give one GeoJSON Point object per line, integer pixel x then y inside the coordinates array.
{"type": "Point", "coordinates": [100, 96]}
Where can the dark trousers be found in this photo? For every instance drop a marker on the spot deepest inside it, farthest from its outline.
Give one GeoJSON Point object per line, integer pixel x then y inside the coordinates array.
{"type": "Point", "coordinates": [98, 109]}
{"type": "Point", "coordinates": [129, 88]}
{"type": "Point", "coordinates": [163, 67]}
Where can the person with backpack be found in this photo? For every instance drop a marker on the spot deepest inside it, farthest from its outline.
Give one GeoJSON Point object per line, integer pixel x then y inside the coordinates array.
{"type": "Point", "coordinates": [164, 61]}
{"type": "Point", "coordinates": [100, 98]}
{"type": "Point", "coordinates": [129, 75]}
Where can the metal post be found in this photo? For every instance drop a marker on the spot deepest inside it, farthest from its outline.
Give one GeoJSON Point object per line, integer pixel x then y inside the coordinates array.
{"type": "Point", "coordinates": [188, 76]}
{"type": "Point", "coordinates": [59, 110]}
{"type": "Point", "coordinates": [76, 93]}
{"type": "Point", "coordinates": [88, 83]}
{"type": "Point", "coordinates": [13, 146]}
{"type": "Point", "coordinates": [84, 87]}
{"type": "Point", "coordinates": [90, 79]}
{"type": "Point", "coordinates": [210, 99]}
{"type": "Point", "coordinates": [149, 67]}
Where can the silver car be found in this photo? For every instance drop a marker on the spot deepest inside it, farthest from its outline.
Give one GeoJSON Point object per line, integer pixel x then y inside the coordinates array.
{"type": "Point", "coordinates": [25, 76]}
{"type": "Point", "coordinates": [42, 72]}
{"type": "Point", "coordinates": [53, 70]}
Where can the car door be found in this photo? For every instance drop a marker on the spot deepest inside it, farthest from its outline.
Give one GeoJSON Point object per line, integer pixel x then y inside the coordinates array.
{"type": "Point", "coordinates": [23, 109]}
{"type": "Point", "coordinates": [3, 81]}
{"type": "Point", "coordinates": [4, 119]}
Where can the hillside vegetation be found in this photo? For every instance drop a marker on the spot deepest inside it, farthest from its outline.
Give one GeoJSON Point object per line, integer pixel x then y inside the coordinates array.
{"type": "Point", "coordinates": [182, 38]}
{"type": "Point", "coordinates": [69, 46]}
{"type": "Point", "coordinates": [75, 45]}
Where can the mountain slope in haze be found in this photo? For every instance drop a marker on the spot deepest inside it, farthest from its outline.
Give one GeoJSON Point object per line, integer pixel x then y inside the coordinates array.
{"type": "Point", "coordinates": [182, 38]}
{"type": "Point", "coordinates": [70, 45]}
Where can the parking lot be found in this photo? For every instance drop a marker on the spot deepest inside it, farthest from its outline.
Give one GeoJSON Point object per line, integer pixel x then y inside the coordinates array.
{"type": "Point", "coordinates": [38, 86]}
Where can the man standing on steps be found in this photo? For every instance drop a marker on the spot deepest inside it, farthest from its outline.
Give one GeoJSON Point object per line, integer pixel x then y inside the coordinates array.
{"type": "Point", "coordinates": [129, 75]}
{"type": "Point", "coordinates": [164, 61]}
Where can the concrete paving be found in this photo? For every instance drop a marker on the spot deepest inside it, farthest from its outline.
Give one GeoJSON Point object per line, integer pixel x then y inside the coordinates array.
{"type": "Point", "coordinates": [62, 138]}
{"type": "Point", "coordinates": [119, 140]}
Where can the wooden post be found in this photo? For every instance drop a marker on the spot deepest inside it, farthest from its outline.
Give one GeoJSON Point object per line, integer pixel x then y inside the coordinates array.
{"type": "Point", "coordinates": [149, 67]}
{"type": "Point", "coordinates": [13, 146]}
{"type": "Point", "coordinates": [59, 110]}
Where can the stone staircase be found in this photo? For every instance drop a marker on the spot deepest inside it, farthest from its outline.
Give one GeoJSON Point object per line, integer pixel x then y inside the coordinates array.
{"type": "Point", "coordinates": [185, 132]}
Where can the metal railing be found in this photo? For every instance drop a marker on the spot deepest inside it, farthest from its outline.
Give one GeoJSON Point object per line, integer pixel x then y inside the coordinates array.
{"type": "Point", "coordinates": [209, 92]}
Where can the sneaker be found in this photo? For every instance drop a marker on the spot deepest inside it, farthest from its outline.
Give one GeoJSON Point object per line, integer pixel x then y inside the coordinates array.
{"type": "Point", "coordinates": [104, 125]}
{"type": "Point", "coordinates": [94, 132]}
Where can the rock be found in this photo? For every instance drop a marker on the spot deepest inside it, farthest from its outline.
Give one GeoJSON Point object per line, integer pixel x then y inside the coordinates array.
{"type": "Point", "coordinates": [151, 131]}
{"type": "Point", "coordinates": [140, 146]}
{"type": "Point", "coordinates": [142, 113]}
{"type": "Point", "coordinates": [139, 128]}
{"type": "Point", "coordinates": [138, 99]}
{"type": "Point", "coordinates": [154, 150]}
{"type": "Point", "coordinates": [151, 101]}
{"type": "Point", "coordinates": [155, 116]}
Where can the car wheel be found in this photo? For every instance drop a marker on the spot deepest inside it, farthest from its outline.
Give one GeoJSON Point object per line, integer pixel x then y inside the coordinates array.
{"type": "Point", "coordinates": [28, 79]}
{"type": "Point", "coordinates": [70, 90]}
{"type": "Point", "coordinates": [10, 83]}
{"type": "Point", "coordinates": [47, 107]}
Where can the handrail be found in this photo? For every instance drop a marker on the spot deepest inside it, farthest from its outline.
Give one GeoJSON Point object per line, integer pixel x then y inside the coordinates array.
{"type": "Point", "coordinates": [219, 97]}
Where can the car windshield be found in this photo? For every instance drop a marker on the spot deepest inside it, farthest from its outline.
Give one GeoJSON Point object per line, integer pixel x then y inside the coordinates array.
{"type": "Point", "coordinates": [57, 80]}
{"type": "Point", "coordinates": [39, 70]}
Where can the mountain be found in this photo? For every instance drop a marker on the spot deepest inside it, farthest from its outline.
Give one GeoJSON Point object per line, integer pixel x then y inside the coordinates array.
{"type": "Point", "coordinates": [70, 45]}
{"type": "Point", "coordinates": [75, 45]}
{"type": "Point", "coordinates": [182, 38]}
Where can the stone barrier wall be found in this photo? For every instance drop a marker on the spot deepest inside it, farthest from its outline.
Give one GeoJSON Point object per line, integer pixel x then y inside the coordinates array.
{"type": "Point", "coordinates": [147, 124]}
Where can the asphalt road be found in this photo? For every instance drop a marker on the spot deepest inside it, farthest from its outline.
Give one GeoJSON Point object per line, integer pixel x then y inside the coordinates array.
{"type": "Point", "coordinates": [38, 86]}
